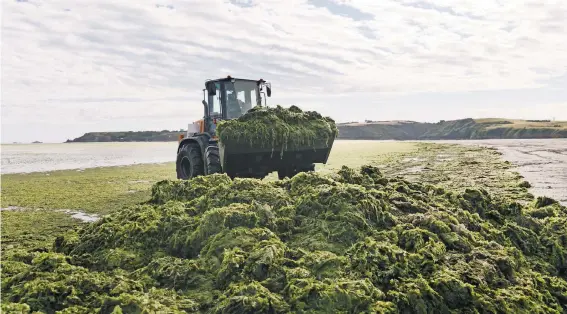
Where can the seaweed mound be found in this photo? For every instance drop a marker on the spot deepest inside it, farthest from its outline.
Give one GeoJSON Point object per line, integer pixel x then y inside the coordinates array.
{"type": "Point", "coordinates": [352, 242]}
{"type": "Point", "coordinates": [278, 128]}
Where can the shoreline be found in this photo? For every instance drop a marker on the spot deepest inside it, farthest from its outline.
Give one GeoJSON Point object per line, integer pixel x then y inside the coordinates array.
{"type": "Point", "coordinates": [408, 165]}
{"type": "Point", "coordinates": [81, 169]}
{"type": "Point", "coordinates": [549, 185]}
{"type": "Point", "coordinates": [172, 159]}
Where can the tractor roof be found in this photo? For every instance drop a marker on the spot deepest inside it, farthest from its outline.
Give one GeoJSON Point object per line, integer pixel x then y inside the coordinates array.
{"type": "Point", "coordinates": [228, 78]}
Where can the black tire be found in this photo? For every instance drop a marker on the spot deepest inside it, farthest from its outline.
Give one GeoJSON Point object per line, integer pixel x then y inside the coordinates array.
{"type": "Point", "coordinates": [212, 160]}
{"type": "Point", "coordinates": [189, 161]}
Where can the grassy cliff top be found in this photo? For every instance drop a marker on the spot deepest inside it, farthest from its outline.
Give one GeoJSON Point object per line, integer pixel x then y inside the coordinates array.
{"type": "Point", "coordinates": [492, 122]}
{"type": "Point", "coordinates": [516, 123]}
{"type": "Point", "coordinates": [486, 128]}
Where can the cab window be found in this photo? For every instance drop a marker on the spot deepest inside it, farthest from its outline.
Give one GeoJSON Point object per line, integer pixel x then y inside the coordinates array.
{"type": "Point", "coordinates": [215, 102]}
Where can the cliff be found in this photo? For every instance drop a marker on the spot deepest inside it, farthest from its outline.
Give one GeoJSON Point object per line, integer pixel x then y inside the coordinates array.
{"type": "Point", "coordinates": [453, 130]}
{"type": "Point", "coordinates": [129, 136]}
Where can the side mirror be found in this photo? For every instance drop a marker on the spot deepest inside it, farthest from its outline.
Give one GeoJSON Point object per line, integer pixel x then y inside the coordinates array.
{"type": "Point", "coordinates": [212, 91]}
{"type": "Point", "coordinates": [268, 91]}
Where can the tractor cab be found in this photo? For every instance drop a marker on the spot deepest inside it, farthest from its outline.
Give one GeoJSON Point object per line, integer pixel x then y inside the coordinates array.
{"type": "Point", "coordinates": [230, 98]}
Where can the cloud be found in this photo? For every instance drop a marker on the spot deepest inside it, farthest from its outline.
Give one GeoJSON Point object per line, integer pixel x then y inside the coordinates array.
{"type": "Point", "coordinates": [142, 64]}
{"type": "Point", "coordinates": [342, 9]}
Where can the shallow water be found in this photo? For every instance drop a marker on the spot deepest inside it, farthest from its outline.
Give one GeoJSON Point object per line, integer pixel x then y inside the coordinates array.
{"type": "Point", "coordinates": [542, 162]}
{"type": "Point", "coordinates": [18, 158]}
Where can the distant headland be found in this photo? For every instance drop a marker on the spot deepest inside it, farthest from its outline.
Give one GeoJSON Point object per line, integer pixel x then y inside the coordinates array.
{"type": "Point", "coordinates": [489, 128]}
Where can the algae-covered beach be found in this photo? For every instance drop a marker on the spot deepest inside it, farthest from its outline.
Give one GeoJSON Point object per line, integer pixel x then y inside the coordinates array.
{"type": "Point", "coordinates": [282, 157]}
{"type": "Point", "coordinates": [407, 228]}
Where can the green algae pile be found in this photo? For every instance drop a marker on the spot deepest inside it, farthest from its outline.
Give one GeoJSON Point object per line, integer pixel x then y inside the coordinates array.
{"type": "Point", "coordinates": [351, 242]}
{"type": "Point", "coordinates": [278, 127]}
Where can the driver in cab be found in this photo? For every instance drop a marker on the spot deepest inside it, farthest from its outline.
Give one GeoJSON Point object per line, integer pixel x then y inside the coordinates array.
{"type": "Point", "coordinates": [234, 106]}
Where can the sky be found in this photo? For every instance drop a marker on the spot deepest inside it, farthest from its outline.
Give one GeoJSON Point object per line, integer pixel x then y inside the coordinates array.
{"type": "Point", "coordinates": [70, 67]}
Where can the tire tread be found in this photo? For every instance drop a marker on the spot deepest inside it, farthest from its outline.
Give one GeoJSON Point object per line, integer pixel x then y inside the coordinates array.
{"type": "Point", "coordinates": [193, 152]}
{"type": "Point", "coordinates": [212, 160]}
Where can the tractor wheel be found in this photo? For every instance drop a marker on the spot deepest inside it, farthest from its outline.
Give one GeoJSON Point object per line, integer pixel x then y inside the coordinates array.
{"type": "Point", "coordinates": [212, 160]}
{"type": "Point", "coordinates": [189, 162]}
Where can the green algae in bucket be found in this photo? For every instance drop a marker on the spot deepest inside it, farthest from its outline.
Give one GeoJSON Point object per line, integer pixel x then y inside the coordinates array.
{"type": "Point", "coordinates": [266, 127]}
{"type": "Point", "coordinates": [350, 242]}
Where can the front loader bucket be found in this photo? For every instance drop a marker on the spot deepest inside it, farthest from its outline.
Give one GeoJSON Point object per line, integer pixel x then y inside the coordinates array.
{"type": "Point", "coordinates": [246, 160]}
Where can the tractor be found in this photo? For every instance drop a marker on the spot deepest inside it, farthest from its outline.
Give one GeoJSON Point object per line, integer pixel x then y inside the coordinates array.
{"type": "Point", "coordinates": [201, 153]}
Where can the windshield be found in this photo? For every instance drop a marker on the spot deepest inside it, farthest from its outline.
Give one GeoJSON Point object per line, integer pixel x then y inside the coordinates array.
{"type": "Point", "coordinates": [240, 97]}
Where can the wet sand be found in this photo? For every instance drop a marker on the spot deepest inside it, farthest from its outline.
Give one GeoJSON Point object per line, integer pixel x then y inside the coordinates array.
{"type": "Point", "coordinates": [543, 163]}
